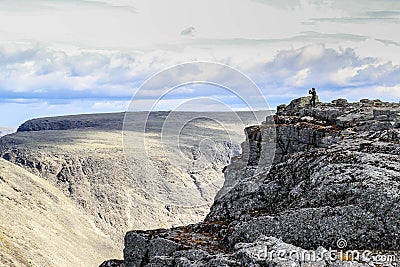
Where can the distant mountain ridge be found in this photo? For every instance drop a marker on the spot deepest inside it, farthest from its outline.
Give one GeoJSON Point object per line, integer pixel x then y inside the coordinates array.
{"type": "Point", "coordinates": [106, 121]}
{"type": "Point", "coordinates": [111, 121]}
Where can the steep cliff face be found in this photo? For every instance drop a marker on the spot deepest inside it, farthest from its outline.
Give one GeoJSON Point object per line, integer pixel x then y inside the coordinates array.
{"type": "Point", "coordinates": [335, 176]}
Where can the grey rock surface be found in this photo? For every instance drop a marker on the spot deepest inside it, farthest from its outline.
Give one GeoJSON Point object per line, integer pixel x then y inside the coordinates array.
{"type": "Point", "coordinates": [136, 250]}
{"type": "Point", "coordinates": [335, 177]}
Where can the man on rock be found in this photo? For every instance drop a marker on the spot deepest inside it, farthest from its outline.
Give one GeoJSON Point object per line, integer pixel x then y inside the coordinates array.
{"type": "Point", "coordinates": [313, 94]}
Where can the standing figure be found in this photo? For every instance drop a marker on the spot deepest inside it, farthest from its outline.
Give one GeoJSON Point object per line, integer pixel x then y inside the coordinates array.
{"type": "Point", "coordinates": [313, 94]}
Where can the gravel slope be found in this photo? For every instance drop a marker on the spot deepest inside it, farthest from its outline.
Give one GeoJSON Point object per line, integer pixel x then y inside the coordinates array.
{"type": "Point", "coordinates": [40, 226]}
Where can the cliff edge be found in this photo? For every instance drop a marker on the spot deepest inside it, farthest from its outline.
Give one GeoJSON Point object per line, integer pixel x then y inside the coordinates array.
{"type": "Point", "coordinates": [334, 183]}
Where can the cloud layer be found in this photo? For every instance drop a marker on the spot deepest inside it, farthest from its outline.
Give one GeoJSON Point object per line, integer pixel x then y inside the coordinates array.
{"type": "Point", "coordinates": [92, 55]}
{"type": "Point", "coordinates": [38, 72]}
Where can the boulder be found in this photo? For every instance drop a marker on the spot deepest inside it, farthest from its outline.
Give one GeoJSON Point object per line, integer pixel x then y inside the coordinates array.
{"type": "Point", "coordinates": [340, 102]}
{"type": "Point", "coordinates": [300, 102]}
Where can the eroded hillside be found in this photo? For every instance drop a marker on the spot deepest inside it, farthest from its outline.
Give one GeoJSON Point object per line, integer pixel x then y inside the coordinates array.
{"type": "Point", "coordinates": [40, 226]}
{"type": "Point", "coordinates": [85, 160]}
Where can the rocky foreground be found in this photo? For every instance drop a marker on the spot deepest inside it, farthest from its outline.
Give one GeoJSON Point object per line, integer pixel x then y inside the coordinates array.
{"type": "Point", "coordinates": [334, 184]}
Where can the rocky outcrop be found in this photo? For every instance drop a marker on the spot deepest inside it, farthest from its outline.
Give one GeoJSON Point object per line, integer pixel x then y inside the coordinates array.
{"type": "Point", "coordinates": [335, 177]}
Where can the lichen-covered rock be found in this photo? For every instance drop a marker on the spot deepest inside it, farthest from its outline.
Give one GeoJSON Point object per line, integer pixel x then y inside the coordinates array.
{"type": "Point", "coordinates": [340, 102]}
{"type": "Point", "coordinates": [144, 249]}
{"type": "Point", "coordinates": [301, 102]}
{"type": "Point", "coordinates": [162, 247]}
{"type": "Point", "coordinates": [135, 251]}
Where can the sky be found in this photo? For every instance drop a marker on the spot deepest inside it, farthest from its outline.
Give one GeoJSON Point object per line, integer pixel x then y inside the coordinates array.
{"type": "Point", "coordinates": [87, 56]}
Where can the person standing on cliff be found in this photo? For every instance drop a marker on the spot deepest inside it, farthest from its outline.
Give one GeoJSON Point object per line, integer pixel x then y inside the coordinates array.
{"type": "Point", "coordinates": [313, 94]}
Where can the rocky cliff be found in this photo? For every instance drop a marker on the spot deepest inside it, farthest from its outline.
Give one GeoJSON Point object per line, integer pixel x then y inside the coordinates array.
{"type": "Point", "coordinates": [334, 183]}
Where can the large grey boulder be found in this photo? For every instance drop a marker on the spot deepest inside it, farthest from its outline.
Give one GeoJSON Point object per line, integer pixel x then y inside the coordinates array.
{"type": "Point", "coordinates": [143, 250]}
{"type": "Point", "coordinates": [135, 251]}
{"type": "Point", "coordinates": [301, 102]}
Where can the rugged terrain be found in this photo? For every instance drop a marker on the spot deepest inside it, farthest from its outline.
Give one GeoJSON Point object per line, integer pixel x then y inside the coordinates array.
{"type": "Point", "coordinates": [40, 226]}
{"type": "Point", "coordinates": [334, 183]}
{"type": "Point", "coordinates": [83, 157]}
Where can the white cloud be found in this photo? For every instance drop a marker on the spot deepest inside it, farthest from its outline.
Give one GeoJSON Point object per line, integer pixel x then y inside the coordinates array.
{"type": "Point", "coordinates": [299, 78]}
{"type": "Point", "coordinates": [110, 105]}
{"type": "Point", "coordinates": [390, 91]}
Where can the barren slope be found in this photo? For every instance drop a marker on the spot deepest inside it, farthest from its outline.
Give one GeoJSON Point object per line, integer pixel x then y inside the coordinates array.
{"type": "Point", "coordinates": [40, 226]}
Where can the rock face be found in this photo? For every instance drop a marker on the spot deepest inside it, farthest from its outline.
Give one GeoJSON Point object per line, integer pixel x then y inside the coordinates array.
{"type": "Point", "coordinates": [335, 177]}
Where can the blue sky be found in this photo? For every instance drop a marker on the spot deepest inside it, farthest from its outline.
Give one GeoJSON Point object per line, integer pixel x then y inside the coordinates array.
{"type": "Point", "coordinates": [79, 56]}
